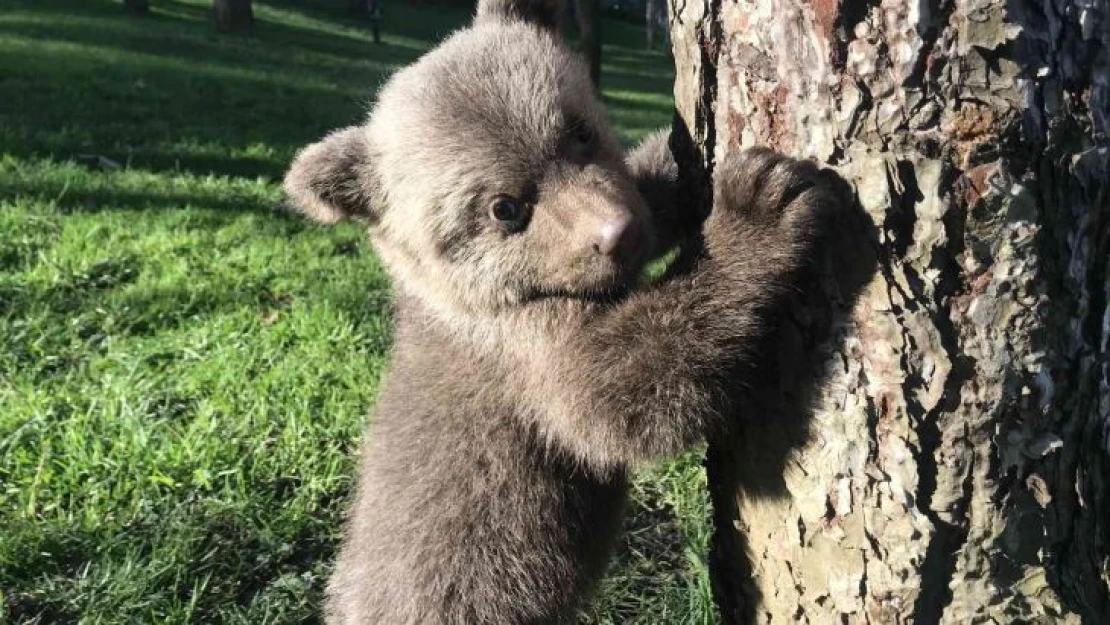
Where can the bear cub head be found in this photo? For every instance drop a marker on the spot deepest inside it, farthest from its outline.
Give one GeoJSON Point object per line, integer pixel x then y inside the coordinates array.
{"type": "Point", "coordinates": [486, 172]}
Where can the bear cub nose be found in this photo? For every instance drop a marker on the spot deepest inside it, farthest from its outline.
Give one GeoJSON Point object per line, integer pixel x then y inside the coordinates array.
{"type": "Point", "coordinates": [616, 236]}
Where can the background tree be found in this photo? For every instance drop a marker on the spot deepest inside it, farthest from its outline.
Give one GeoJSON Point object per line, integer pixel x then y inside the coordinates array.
{"type": "Point", "coordinates": [137, 7]}
{"type": "Point", "coordinates": [372, 10]}
{"type": "Point", "coordinates": [233, 14]}
{"type": "Point", "coordinates": [949, 461]}
{"type": "Point", "coordinates": [588, 13]}
{"type": "Point", "coordinates": [655, 20]}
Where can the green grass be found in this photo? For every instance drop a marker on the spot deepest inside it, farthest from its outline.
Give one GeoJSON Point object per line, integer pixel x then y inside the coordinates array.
{"type": "Point", "coordinates": [185, 369]}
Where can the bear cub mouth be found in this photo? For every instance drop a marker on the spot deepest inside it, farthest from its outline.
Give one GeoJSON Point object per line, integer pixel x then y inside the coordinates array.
{"type": "Point", "coordinates": [601, 297]}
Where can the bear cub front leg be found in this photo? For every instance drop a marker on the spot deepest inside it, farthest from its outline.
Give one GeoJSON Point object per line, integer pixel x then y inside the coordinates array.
{"type": "Point", "coordinates": [768, 211]}
{"type": "Point", "coordinates": [647, 378]}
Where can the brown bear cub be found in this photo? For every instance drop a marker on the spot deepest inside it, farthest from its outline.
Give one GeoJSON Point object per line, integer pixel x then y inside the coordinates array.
{"type": "Point", "coordinates": [530, 368]}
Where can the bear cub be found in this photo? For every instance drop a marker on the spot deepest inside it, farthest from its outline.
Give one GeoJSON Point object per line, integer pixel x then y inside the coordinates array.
{"type": "Point", "coordinates": [530, 367]}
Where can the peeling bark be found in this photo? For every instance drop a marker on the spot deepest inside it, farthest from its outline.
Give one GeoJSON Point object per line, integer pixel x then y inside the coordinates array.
{"type": "Point", "coordinates": [931, 445]}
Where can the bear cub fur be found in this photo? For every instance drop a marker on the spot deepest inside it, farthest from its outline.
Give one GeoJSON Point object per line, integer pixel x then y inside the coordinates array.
{"type": "Point", "coordinates": [530, 368]}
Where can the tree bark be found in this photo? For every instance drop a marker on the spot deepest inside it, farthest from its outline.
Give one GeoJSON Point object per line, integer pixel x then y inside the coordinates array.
{"type": "Point", "coordinates": [233, 14]}
{"type": "Point", "coordinates": [589, 31]}
{"type": "Point", "coordinates": [931, 444]}
{"type": "Point", "coordinates": [137, 7]}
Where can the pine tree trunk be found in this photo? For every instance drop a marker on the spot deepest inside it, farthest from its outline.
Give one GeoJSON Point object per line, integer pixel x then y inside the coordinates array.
{"type": "Point", "coordinates": [933, 444]}
{"type": "Point", "coordinates": [589, 30]}
{"type": "Point", "coordinates": [233, 14]}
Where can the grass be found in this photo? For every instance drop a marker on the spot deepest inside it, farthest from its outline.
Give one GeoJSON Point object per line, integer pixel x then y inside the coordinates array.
{"type": "Point", "coordinates": [185, 369]}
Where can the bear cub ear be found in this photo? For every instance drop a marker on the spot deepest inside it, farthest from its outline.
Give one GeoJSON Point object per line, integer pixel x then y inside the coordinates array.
{"type": "Point", "coordinates": [333, 179]}
{"type": "Point", "coordinates": [544, 13]}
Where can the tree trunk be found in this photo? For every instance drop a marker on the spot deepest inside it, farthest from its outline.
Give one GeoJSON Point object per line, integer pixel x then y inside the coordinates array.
{"type": "Point", "coordinates": [933, 444]}
{"type": "Point", "coordinates": [589, 30]}
{"type": "Point", "coordinates": [372, 10]}
{"type": "Point", "coordinates": [233, 14]}
{"type": "Point", "coordinates": [655, 16]}
{"type": "Point", "coordinates": [137, 7]}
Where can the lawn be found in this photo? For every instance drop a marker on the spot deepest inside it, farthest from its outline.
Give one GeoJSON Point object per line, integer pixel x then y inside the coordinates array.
{"type": "Point", "coordinates": [185, 369]}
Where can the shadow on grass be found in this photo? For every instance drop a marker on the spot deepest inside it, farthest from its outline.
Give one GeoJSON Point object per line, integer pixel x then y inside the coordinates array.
{"type": "Point", "coordinates": [82, 77]}
{"type": "Point", "coordinates": [235, 561]}
{"type": "Point", "coordinates": [178, 35]}
{"type": "Point", "coordinates": [407, 22]}
{"type": "Point", "coordinates": [106, 303]}
{"type": "Point", "coordinates": [73, 197]}
{"type": "Point", "coordinates": [170, 93]}
{"type": "Point", "coordinates": [242, 563]}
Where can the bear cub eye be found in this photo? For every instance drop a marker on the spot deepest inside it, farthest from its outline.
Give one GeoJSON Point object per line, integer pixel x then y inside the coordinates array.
{"type": "Point", "coordinates": [580, 132]}
{"type": "Point", "coordinates": [583, 134]}
{"type": "Point", "coordinates": [509, 213]}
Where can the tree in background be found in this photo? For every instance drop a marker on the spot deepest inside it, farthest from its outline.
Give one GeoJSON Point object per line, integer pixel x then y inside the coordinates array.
{"type": "Point", "coordinates": [588, 13]}
{"type": "Point", "coordinates": [950, 460]}
{"type": "Point", "coordinates": [233, 14]}
{"type": "Point", "coordinates": [371, 9]}
{"type": "Point", "coordinates": [137, 7]}
{"type": "Point", "coordinates": [655, 19]}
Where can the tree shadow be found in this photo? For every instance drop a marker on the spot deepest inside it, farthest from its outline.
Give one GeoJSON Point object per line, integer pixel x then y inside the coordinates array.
{"type": "Point", "coordinates": [772, 409]}
{"type": "Point", "coordinates": [174, 30]}
{"type": "Point", "coordinates": [152, 91]}
{"type": "Point", "coordinates": [77, 199]}
{"type": "Point", "coordinates": [657, 109]}
{"type": "Point", "coordinates": [430, 24]}
{"type": "Point", "coordinates": [256, 556]}
{"type": "Point", "coordinates": [169, 93]}
{"type": "Point", "coordinates": [643, 64]}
